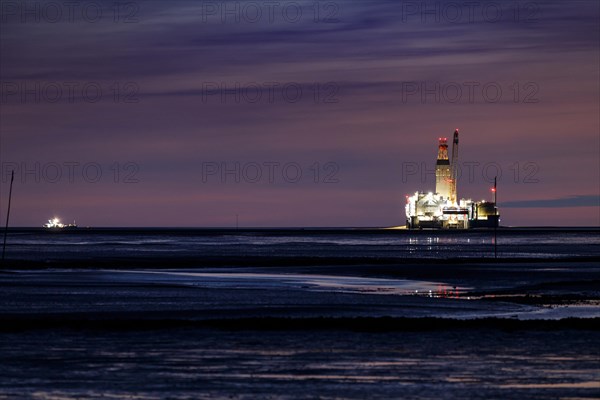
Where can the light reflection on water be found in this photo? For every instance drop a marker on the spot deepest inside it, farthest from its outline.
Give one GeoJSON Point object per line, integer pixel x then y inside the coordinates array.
{"type": "Point", "coordinates": [328, 283]}
{"type": "Point", "coordinates": [349, 244]}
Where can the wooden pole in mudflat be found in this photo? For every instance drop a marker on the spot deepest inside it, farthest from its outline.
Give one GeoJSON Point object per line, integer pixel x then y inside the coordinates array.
{"type": "Point", "coordinates": [12, 178]}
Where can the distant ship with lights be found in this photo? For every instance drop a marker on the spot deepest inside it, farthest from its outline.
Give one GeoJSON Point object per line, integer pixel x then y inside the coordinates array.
{"type": "Point", "coordinates": [55, 224]}
{"type": "Point", "coordinates": [443, 209]}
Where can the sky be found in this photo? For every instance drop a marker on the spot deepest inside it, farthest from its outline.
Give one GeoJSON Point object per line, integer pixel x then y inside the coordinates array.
{"type": "Point", "coordinates": [295, 113]}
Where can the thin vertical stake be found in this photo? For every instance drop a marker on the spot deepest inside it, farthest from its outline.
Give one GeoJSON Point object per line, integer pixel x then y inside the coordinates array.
{"type": "Point", "coordinates": [496, 219]}
{"type": "Point", "coordinates": [12, 178]}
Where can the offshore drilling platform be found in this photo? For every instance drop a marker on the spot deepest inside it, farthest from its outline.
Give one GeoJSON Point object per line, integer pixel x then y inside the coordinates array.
{"type": "Point", "coordinates": [443, 209]}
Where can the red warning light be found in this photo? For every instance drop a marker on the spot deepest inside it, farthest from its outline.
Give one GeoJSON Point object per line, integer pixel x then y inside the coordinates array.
{"type": "Point", "coordinates": [493, 189]}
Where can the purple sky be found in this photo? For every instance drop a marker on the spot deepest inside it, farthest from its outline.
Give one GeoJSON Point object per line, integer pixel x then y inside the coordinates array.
{"type": "Point", "coordinates": [379, 81]}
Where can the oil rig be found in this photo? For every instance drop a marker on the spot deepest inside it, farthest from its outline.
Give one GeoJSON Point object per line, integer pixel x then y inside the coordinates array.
{"type": "Point", "coordinates": [442, 209]}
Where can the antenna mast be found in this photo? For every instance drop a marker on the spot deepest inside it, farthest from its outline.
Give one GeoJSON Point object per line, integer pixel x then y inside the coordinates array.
{"type": "Point", "coordinates": [454, 166]}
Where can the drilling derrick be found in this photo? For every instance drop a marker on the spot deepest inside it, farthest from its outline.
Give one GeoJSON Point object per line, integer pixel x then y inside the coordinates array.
{"type": "Point", "coordinates": [443, 174]}
{"type": "Point", "coordinates": [454, 166]}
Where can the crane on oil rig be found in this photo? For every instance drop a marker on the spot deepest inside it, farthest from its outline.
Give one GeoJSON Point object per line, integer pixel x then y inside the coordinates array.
{"type": "Point", "coordinates": [454, 166]}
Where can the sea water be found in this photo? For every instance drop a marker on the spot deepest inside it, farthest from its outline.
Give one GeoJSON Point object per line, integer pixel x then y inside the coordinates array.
{"type": "Point", "coordinates": [348, 243]}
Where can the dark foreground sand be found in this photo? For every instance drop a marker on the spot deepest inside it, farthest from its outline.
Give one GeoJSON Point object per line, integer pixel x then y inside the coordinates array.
{"type": "Point", "coordinates": [196, 363]}
{"type": "Point", "coordinates": [509, 330]}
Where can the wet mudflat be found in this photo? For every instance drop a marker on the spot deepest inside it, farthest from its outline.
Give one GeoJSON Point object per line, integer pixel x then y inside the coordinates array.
{"type": "Point", "coordinates": [546, 291]}
{"type": "Point", "coordinates": [188, 315]}
{"type": "Point", "coordinates": [190, 363]}
{"type": "Point", "coordinates": [251, 333]}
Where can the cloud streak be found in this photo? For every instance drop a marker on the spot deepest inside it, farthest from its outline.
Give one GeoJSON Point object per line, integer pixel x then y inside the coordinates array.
{"type": "Point", "coordinates": [570, 201]}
